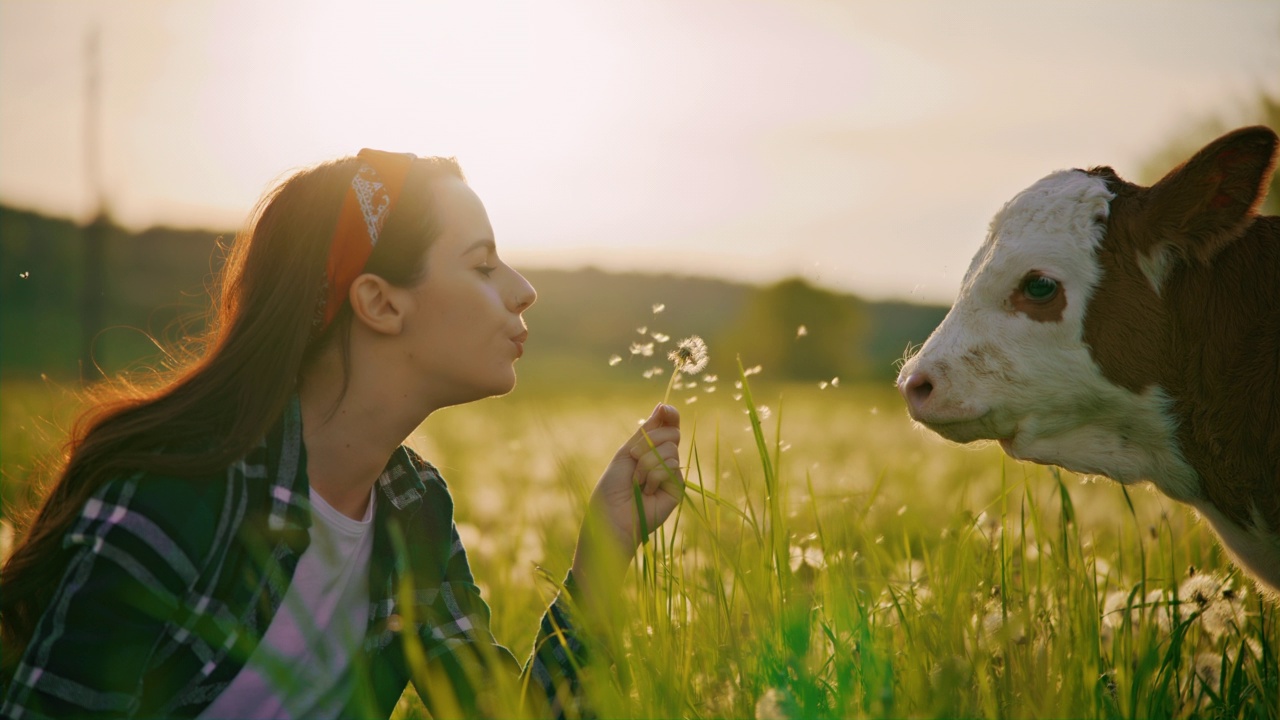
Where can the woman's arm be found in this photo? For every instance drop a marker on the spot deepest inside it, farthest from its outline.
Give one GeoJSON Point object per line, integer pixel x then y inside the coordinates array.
{"type": "Point", "coordinates": [95, 640]}
{"type": "Point", "coordinates": [460, 670]}
{"type": "Point", "coordinates": [453, 667]}
{"type": "Point", "coordinates": [648, 464]}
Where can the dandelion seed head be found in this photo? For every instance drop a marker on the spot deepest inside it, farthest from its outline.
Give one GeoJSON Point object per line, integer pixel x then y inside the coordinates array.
{"type": "Point", "coordinates": [1208, 668]}
{"type": "Point", "coordinates": [614, 360]}
{"type": "Point", "coordinates": [1221, 608]}
{"type": "Point", "coordinates": [776, 704]}
{"type": "Point", "coordinates": [690, 355]}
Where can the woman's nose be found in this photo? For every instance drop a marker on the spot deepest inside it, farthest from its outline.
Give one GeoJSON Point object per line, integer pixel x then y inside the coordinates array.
{"type": "Point", "coordinates": [524, 294]}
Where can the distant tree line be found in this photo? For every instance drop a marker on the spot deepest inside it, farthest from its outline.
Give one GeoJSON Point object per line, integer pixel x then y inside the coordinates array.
{"type": "Point", "coordinates": [156, 281]}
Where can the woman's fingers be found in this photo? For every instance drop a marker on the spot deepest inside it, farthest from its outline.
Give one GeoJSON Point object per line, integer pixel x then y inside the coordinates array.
{"type": "Point", "coordinates": [647, 442]}
{"type": "Point", "coordinates": [667, 472]}
{"type": "Point", "coordinates": [658, 465]}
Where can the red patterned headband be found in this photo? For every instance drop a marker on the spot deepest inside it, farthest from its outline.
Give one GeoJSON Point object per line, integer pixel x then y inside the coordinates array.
{"type": "Point", "coordinates": [374, 191]}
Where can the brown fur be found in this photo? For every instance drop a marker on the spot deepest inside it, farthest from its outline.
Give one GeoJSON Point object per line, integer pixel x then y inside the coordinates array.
{"type": "Point", "coordinates": [1211, 336]}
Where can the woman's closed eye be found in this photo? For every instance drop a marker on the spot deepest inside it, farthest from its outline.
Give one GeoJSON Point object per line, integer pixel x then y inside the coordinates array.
{"type": "Point", "coordinates": [486, 270]}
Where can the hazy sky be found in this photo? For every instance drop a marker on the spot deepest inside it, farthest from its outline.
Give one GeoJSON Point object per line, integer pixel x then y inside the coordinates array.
{"type": "Point", "coordinates": [863, 146]}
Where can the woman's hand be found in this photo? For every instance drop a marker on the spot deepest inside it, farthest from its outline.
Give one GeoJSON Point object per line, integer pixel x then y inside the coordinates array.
{"type": "Point", "coordinates": [649, 460]}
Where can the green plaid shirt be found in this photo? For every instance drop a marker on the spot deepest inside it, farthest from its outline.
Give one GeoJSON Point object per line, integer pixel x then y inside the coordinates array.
{"type": "Point", "coordinates": [172, 583]}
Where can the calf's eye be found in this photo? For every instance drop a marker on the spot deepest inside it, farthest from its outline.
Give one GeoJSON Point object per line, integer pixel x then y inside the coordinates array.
{"type": "Point", "coordinates": [1039, 288]}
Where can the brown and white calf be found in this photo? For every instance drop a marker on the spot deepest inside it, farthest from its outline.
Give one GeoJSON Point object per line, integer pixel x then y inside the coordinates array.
{"type": "Point", "coordinates": [1130, 332]}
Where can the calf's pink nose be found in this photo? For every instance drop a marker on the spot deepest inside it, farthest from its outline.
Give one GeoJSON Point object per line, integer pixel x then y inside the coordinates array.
{"type": "Point", "coordinates": [915, 389]}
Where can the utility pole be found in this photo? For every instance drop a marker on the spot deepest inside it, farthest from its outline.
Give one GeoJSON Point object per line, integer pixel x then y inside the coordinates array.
{"type": "Point", "coordinates": [93, 294]}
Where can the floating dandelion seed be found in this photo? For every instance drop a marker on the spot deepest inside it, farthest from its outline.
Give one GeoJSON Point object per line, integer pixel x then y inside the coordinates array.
{"type": "Point", "coordinates": [801, 332]}
{"type": "Point", "coordinates": [709, 378]}
{"type": "Point", "coordinates": [652, 372]}
{"type": "Point", "coordinates": [24, 275]}
{"type": "Point", "coordinates": [810, 555]}
{"type": "Point", "coordinates": [614, 360]}
{"type": "Point", "coordinates": [658, 307]}
{"type": "Point", "coordinates": [660, 337]}
{"type": "Point", "coordinates": [691, 400]}
{"type": "Point", "coordinates": [753, 370]}
{"type": "Point", "coordinates": [835, 382]}
{"type": "Point", "coordinates": [764, 412]}
{"type": "Point", "coordinates": [643, 329]}
{"type": "Point", "coordinates": [823, 385]}
{"type": "Point", "coordinates": [644, 350]}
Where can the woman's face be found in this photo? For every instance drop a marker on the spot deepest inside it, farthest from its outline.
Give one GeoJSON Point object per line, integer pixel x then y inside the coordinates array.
{"type": "Point", "coordinates": [465, 331]}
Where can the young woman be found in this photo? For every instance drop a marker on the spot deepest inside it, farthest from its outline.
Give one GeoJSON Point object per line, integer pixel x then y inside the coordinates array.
{"type": "Point", "coordinates": [250, 538]}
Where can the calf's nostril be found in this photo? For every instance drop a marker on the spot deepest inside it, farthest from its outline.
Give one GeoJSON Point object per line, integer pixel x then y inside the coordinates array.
{"type": "Point", "coordinates": [916, 388]}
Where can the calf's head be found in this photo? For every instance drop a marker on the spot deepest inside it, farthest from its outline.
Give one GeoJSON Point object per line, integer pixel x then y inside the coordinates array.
{"type": "Point", "coordinates": [1058, 344]}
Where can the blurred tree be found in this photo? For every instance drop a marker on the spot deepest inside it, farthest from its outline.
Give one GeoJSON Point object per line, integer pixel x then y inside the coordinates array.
{"type": "Point", "coordinates": [800, 332]}
{"type": "Point", "coordinates": [1266, 111]}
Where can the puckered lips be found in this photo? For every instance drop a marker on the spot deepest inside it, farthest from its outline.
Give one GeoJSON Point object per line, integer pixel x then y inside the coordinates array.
{"type": "Point", "coordinates": [518, 341]}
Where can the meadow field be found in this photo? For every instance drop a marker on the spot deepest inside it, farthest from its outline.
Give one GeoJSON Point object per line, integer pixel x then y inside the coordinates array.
{"type": "Point", "coordinates": [830, 560]}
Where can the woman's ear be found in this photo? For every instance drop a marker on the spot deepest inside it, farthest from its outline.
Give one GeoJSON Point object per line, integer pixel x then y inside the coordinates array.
{"type": "Point", "coordinates": [377, 304]}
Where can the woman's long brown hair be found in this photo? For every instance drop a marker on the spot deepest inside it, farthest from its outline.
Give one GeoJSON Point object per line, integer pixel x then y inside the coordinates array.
{"type": "Point", "coordinates": [199, 418]}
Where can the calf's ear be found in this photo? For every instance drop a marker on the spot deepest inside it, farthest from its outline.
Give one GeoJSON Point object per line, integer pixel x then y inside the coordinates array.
{"type": "Point", "coordinates": [1205, 203]}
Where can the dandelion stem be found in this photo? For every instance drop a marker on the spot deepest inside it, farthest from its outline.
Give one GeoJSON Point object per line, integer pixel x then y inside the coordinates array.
{"type": "Point", "coordinates": [675, 372]}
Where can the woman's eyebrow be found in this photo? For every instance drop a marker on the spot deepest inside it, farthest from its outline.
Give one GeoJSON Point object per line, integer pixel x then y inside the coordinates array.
{"type": "Point", "coordinates": [486, 243]}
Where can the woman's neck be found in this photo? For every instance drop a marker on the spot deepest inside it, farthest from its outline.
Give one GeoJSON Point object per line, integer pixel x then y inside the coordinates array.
{"type": "Point", "coordinates": [349, 435]}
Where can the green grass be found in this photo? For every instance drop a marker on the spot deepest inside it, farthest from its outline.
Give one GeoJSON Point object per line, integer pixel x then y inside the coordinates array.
{"type": "Point", "coordinates": [830, 560]}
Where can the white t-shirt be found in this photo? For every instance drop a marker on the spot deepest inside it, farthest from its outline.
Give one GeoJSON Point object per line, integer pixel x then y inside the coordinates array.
{"type": "Point", "coordinates": [302, 666]}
